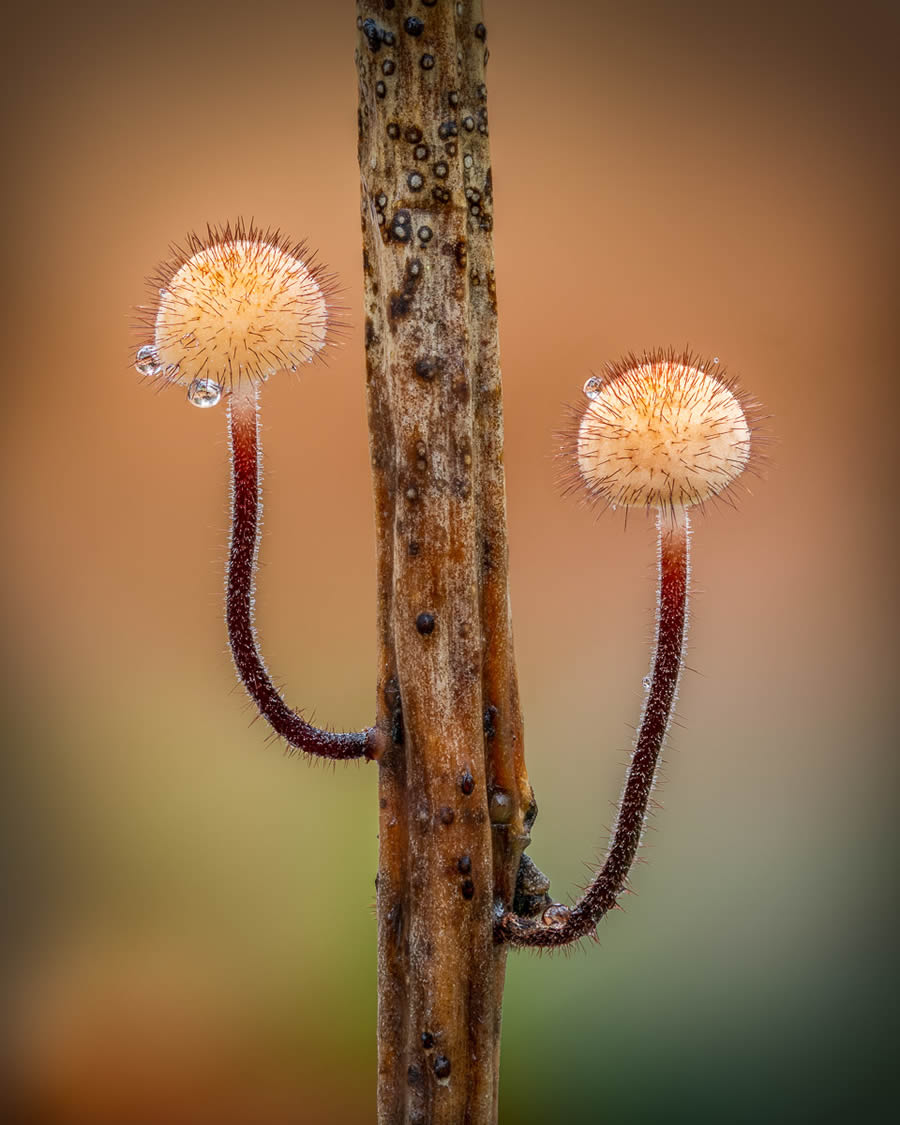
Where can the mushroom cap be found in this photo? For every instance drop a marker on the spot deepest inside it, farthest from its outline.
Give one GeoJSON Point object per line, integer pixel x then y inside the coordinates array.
{"type": "Point", "coordinates": [663, 432]}
{"type": "Point", "coordinates": [236, 307]}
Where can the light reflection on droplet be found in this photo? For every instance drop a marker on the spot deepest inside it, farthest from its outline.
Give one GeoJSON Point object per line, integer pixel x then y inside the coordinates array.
{"type": "Point", "coordinates": [592, 387]}
{"type": "Point", "coordinates": [146, 361]}
{"type": "Point", "coordinates": [555, 916]}
{"type": "Point", "coordinates": [204, 393]}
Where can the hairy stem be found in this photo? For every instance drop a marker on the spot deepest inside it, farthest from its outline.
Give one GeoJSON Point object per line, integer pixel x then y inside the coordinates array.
{"type": "Point", "coordinates": [560, 925]}
{"type": "Point", "coordinates": [246, 509]}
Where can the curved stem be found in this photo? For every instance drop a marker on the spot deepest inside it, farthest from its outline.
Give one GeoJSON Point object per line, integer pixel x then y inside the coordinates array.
{"type": "Point", "coordinates": [246, 508]}
{"type": "Point", "coordinates": [559, 925]}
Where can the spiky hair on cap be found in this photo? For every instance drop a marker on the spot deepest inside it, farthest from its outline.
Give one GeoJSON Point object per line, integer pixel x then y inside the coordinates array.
{"type": "Point", "coordinates": [663, 430]}
{"type": "Point", "coordinates": [235, 306]}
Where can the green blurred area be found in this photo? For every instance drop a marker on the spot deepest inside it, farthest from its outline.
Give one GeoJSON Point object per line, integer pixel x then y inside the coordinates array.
{"type": "Point", "coordinates": [189, 928]}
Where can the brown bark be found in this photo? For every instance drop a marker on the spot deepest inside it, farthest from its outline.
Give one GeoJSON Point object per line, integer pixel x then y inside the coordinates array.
{"type": "Point", "coordinates": [454, 796]}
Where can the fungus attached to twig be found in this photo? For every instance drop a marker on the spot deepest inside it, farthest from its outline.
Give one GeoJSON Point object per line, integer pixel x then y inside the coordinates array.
{"type": "Point", "coordinates": [664, 432]}
{"type": "Point", "coordinates": [230, 310]}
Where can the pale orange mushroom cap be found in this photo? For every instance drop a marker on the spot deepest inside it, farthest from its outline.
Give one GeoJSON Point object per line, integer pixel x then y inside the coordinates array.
{"type": "Point", "coordinates": [234, 309]}
{"type": "Point", "coordinates": [662, 432]}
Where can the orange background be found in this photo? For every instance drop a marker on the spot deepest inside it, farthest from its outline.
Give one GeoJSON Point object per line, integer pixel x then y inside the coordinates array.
{"type": "Point", "coordinates": [191, 935]}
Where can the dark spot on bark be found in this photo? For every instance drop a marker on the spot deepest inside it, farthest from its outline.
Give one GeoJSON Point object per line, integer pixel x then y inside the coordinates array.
{"type": "Point", "coordinates": [467, 783]}
{"type": "Point", "coordinates": [442, 1066]}
{"type": "Point", "coordinates": [427, 1040]}
{"type": "Point", "coordinates": [480, 32]}
{"type": "Point", "coordinates": [370, 332]}
{"type": "Point", "coordinates": [447, 129]}
{"type": "Point", "coordinates": [487, 555]}
{"type": "Point", "coordinates": [412, 134]}
{"type": "Point", "coordinates": [490, 721]}
{"type": "Point", "coordinates": [446, 815]}
{"type": "Point", "coordinates": [401, 228]}
{"type": "Point", "coordinates": [388, 66]}
{"type": "Point", "coordinates": [414, 1075]}
{"type": "Point", "coordinates": [393, 130]}
{"type": "Point", "coordinates": [440, 194]}
{"type": "Point", "coordinates": [467, 888]}
{"type": "Point", "coordinates": [382, 803]}
{"type": "Point", "coordinates": [426, 62]}
{"type": "Point", "coordinates": [372, 33]}
{"type": "Point", "coordinates": [425, 234]}
{"type": "Point", "coordinates": [399, 303]}
{"type": "Point", "coordinates": [461, 253]}
{"type": "Point", "coordinates": [425, 623]}
{"type": "Point", "coordinates": [530, 814]}
{"type": "Point", "coordinates": [413, 26]}
{"type": "Point", "coordinates": [464, 864]}
{"type": "Point", "coordinates": [441, 169]}
{"type": "Point", "coordinates": [413, 548]}
{"type": "Point", "coordinates": [426, 367]}
{"type": "Point", "coordinates": [380, 88]}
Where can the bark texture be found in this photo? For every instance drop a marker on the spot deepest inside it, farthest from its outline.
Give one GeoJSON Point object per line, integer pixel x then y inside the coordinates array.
{"type": "Point", "coordinates": [455, 801]}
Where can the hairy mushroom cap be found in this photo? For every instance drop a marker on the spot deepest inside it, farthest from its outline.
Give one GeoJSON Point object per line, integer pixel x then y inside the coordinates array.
{"type": "Point", "coordinates": [662, 431]}
{"type": "Point", "coordinates": [235, 307]}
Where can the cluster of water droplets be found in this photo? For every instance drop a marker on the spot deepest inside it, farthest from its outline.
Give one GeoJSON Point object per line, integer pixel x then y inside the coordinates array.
{"type": "Point", "coordinates": [202, 392]}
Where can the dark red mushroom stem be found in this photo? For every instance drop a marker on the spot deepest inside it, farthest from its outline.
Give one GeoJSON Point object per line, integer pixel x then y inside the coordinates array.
{"type": "Point", "coordinates": [246, 507]}
{"type": "Point", "coordinates": [560, 926]}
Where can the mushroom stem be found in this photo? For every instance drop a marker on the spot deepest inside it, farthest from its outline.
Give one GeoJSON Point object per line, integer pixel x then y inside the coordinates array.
{"type": "Point", "coordinates": [246, 511]}
{"type": "Point", "coordinates": [560, 925]}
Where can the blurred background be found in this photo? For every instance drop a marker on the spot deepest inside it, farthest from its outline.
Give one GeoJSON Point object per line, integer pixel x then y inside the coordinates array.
{"type": "Point", "coordinates": [188, 915]}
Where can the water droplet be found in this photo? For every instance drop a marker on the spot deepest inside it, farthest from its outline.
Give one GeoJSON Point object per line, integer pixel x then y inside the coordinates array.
{"type": "Point", "coordinates": [556, 916]}
{"type": "Point", "coordinates": [715, 359]}
{"type": "Point", "coordinates": [592, 387]}
{"type": "Point", "coordinates": [646, 681]}
{"type": "Point", "coordinates": [147, 361]}
{"type": "Point", "coordinates": [204, 393]}
{"type": "Point", "coordinates": [501, 807]}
